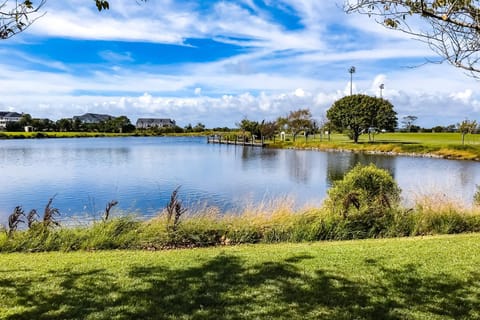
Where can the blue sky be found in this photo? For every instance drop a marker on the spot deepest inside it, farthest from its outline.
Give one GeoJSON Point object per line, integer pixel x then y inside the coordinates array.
{"type": "Point", "coordinates": [217, 62]}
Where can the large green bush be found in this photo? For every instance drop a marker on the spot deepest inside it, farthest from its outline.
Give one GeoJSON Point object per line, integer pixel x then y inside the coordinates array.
{"type": "Point", "coordinates": [364, 189]}
{"type": "Point", "coordinates": [476, 196]}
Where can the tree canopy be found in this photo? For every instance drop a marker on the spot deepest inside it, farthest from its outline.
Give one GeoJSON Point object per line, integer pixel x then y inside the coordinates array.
{"type": "Point", "coordinates": [358, 113]}
{"type": "Point", "coordinates": [466, 127]}
{"type": "Point", "coordinates": [408, 121]}
{"type": "Point", "coordinates": [450, 27]}
{"type": "Point", "coordinates": [298, 121]}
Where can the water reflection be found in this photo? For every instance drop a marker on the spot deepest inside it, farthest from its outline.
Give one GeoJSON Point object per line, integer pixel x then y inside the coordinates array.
{"type": "Point", "coordinates": [299, 166]}
{"type": "Point", "coordinates": [97, 156]}
{"type": "Point", "coordinates": [339, 163]}
{"type": "Point", "coordinates": [142, 172]}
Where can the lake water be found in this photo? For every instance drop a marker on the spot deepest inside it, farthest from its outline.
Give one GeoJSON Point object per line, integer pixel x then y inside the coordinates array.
{"type": "Point", "coordinates": [141, 172]}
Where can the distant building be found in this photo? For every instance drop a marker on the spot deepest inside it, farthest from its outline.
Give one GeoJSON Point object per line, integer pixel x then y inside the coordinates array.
{"type": "Point", "coordinates": [146, 123]}
{"type": "Point", "coordinates": [7, 116]}
{"type": "Point", "coordinates": [93, 118]}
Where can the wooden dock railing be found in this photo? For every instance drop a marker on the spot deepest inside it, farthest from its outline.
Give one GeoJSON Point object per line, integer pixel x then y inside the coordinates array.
{"type": "Point", "coordinates": [238, 141]}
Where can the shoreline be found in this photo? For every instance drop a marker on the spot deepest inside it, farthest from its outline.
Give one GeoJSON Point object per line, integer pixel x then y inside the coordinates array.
{"type": "Point", "coordinates": [466, 152]}
{"type": "Point", "coordinates": [380, 153]}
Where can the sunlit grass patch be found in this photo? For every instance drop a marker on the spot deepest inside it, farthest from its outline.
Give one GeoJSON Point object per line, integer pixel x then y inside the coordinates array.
{"type": "Point", "coordinates": [446, 145]}
{"type": "Point", "coordinates": [409, 278]}
{"type": "Point", "coordinates": [460, 152]}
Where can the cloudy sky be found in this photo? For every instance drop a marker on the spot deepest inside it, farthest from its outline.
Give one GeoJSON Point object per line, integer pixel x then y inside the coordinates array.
{"type": "Point", "coordinates": [217, 62]}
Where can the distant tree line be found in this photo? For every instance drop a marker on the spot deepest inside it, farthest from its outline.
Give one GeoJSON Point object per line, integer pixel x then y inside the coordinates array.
{"type": "Point", "coordinates": [295, 122]}
{"type": "Point", "coordinates": [353, 115]}
{"type": "Point", "coordinates": [121, 124]}
{"type": "Point", "coordinates": [114, 124]}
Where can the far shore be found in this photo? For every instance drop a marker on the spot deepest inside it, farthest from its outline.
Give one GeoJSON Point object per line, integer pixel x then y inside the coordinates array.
{"type": "Point", "coordinates": [430, 145]}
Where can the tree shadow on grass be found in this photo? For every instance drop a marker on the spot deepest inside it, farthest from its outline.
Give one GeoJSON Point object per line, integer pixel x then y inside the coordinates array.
{"type": "Point", "coordinates": [224, 287]}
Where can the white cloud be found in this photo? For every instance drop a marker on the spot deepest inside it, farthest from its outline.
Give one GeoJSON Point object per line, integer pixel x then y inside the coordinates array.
{"type": "Point", "coordinates": [279, 69]}
{"type": "Point", "coordinates": [463, 96]}
{"type": "Point", "coordinates": [299, 92]}
{"type": "Point", "coordinates": [111, 56]}
{"type": "Point", "coordinates": [377, 82]}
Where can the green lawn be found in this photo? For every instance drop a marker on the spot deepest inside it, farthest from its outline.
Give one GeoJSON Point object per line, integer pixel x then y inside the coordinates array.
{"type": "Point", "coordinates": [426, 138]}
{"type": "Point", "coordinates": [402, 137]}
{"type": "Point", "coordinates": [27, 135]}
{"type": "Point", "coordinates": [406, 278]}
{"type": "Point", "coordinates": [446, 145]}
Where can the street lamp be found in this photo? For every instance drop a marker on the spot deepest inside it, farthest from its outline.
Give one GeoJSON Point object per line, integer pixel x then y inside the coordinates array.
{"type": "Point", "coordinates": [351, 71]}
{"type": "Point", "coordinates": [382, 86]}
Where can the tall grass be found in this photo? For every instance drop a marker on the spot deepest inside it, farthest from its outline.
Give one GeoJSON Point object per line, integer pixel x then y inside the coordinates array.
{"type": "Point", "coordinates": [364, 204]}
{"type": "Point", "coordinates": [266, 223]}
{"type": "Point", "coordinates": [440, 215]}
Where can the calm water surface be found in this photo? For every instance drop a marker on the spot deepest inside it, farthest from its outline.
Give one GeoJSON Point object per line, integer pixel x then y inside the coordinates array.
{"type": "Point", "coordinates": [84, 174]}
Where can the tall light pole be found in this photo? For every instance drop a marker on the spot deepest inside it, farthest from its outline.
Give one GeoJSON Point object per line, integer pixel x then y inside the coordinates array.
{"type": "Point", "coordinates": [351, 71]}
{"type": "Point", "coordinates": [382, 86]}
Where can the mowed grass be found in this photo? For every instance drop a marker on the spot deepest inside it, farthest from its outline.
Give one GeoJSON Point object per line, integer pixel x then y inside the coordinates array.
{"type": "Point", "coordinates": [440, 138]}
{"type": "Point", "coordinates": [31, 135]}
{"type": "Point", "coordinates": [404, 278]}
{"type": "Point", "coordinates": [446, 145]}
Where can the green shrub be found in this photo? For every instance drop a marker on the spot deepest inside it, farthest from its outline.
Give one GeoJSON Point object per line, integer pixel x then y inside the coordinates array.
{"type": "Point", "coordinates": [476, 196]}
{"type": "Point", "coordinates": [364, 204]}
{"type": "Point", "coordinates": [364, 189]}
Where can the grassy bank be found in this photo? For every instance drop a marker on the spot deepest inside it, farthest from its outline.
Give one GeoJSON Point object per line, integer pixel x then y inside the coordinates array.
{"type": "Point", "coordinates": [409, 278]}
{"type": "Point", "coordinates": [42, 135]}
{"type": "Point", "coordinates": [444, 145]}
{"type": "Point", "coordinates": [274, 223]}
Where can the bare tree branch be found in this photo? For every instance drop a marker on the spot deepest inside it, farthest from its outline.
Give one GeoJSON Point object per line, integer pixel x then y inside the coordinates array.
{"type": "Point", "coordinates": [451, 28]}
{"type": "Point", "coordinates": [16, 16]}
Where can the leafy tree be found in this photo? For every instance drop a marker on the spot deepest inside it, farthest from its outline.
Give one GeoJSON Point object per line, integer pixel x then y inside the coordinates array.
{"type": "Point", "coordinates": [298, 121]}
{"type": "Point", "coordinates": [357, 113]}
{"type": "Point", "coordinates": [188, 128]}
{"type": "Point", "coordinates": [64, 125]}
{"type": "Point", "coordinates": [14, 126]}
{"type": "Point", "coordinates": [253, 127]}
{"type": "Point", "coordinates": [77, 125]}
{"type": "Point", "coordinates": [465, 127]}
{"type": "Point", "coordinates": [449, 27]}
{"type": "Point", "coordinates": [25, 120]}
{"type": "Point", "coordinates": [282, 123]}
{"type": "Point", "coordinates": [408, 122]}
{"type": "Point", "coordinates": [199, 127]}
{"type": "Point", "coordinates": [268, 129]}
{"type": "Point", "coordinates": [122, 124]}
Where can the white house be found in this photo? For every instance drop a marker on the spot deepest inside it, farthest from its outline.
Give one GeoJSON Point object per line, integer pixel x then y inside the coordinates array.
{"type": "Point", "coordinates": [93, 118]}
{"type": "Point", "coordinates": [146, 123]}
{"type": "Point", "coordinates": [7, 116]}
